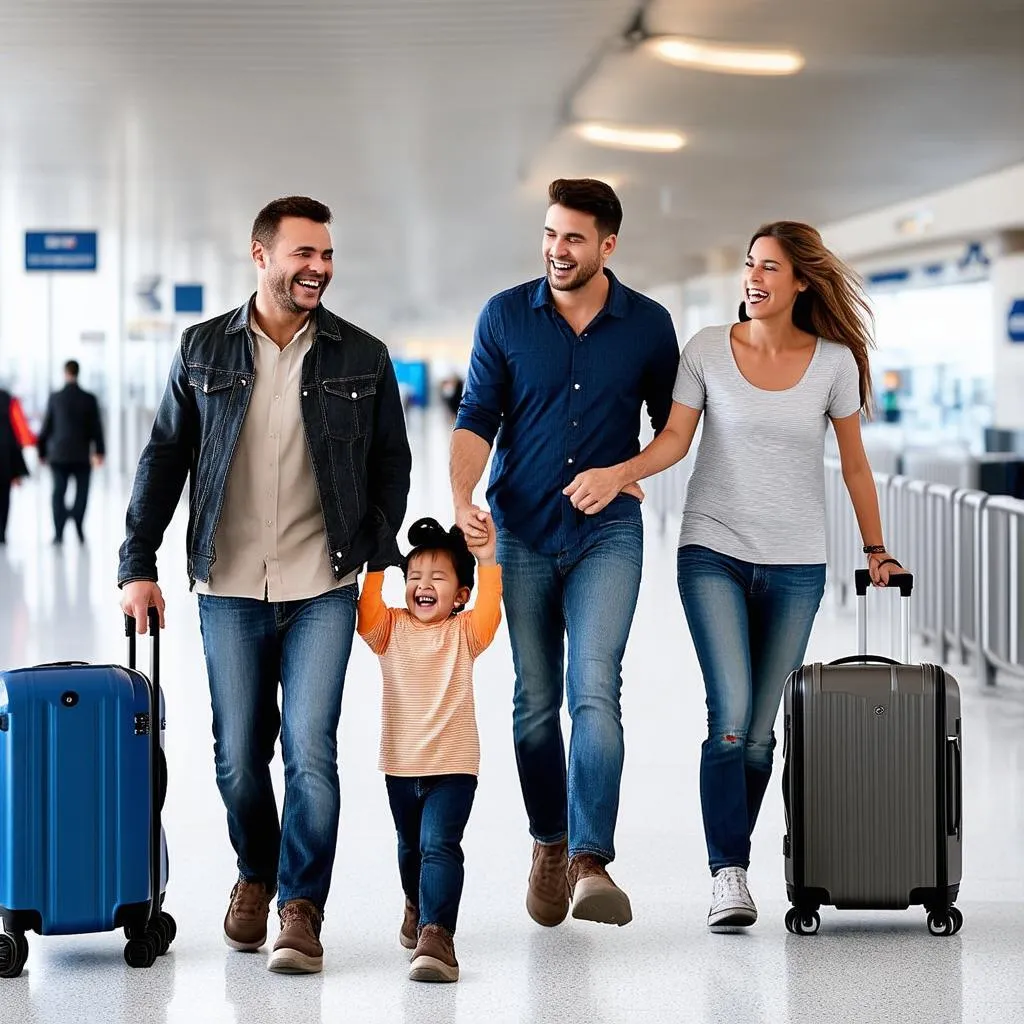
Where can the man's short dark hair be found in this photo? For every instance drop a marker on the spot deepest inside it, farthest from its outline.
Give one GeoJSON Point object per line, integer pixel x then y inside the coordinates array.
{"type": "Point", "coordinates": [589, 195]}
{"type": "Point", "coordinates": [268, 220]}
{"type": "Point", "coordinates": [71, 368]}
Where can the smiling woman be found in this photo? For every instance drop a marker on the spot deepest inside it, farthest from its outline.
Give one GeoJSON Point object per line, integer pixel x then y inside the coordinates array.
{"type": "Point", "coordinates": [750, 564]}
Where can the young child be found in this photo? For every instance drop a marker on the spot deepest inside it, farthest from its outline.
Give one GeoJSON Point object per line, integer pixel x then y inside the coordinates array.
{"type": "Point", "coordinates": [429, 748]}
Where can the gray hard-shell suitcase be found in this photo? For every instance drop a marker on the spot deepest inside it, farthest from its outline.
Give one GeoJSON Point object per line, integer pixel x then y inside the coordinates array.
{"type": "Point", "coordinates": [872, 783]}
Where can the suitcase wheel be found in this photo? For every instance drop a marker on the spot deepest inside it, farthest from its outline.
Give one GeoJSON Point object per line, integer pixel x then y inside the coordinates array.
{"type": "Point", "coordinates": [169, 926]}
{"type": "Point", "coordinates": [945, 922]}
{"type": "Point", "coordinates": [13, 954]}
{"type": "Point", "coordinates": [802, 922]}
{"type": "Point", "coordinates": [142, 952]}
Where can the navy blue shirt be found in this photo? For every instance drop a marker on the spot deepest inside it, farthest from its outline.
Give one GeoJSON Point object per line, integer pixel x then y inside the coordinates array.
{"type": "Point", "coordinates": [559, 403]}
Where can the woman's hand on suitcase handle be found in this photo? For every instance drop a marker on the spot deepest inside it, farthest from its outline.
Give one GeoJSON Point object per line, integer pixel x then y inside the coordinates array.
{"type": "Point", "coordinates": [137, 597]}
{"type": "Point", "coordinates": [882, 565]}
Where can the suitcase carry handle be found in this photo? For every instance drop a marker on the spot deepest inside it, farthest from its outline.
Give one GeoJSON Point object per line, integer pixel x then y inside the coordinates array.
{"type": "Point", "coordinates": [904, 581]}
{"type": "Point", "coordinates": [860, 659]}
{"type": "Point", "coordinates": [954, 786]}
{"type": "Point", "coordinates": [156, 753]}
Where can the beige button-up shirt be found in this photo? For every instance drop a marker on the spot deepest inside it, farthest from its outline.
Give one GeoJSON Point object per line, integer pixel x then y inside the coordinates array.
{"type": "Point", "coordinates": [271, 541]}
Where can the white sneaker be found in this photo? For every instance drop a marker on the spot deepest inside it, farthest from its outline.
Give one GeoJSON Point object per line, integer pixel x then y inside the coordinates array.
{"type": "Point", "coordinates": [731, 903]}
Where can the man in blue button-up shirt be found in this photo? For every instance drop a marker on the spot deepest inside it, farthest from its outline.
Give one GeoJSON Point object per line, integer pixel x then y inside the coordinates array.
{"type": "Point", "coordinates": [561, 368]}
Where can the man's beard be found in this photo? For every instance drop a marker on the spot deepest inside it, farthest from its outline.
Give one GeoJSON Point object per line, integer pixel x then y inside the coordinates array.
{"type": "Point", "coordinates": [583, 276]}
{"type": "Point", "coordinates": [281, 291]}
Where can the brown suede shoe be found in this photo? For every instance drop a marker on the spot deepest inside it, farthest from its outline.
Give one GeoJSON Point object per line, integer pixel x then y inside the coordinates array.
{"type": "Point", "coordinates": [410, 925]}
{"type": "Point", "coordinates": [547, 898]}
{"type": "Point", "coordinates": [595, 897]}
{"type": "Point", "coordinates": [245, 925]}
{"type": "Point", "coordinates": [434, 959]}
{"type": "Point", "coordinates": [298, 949]}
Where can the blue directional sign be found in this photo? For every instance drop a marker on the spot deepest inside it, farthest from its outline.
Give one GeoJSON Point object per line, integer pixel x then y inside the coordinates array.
{"type": "Point", "coordinates": [188, 298]}
{"type": "Point", "coordinates": [1015, 321]}
{"type": "Point", "coordinates": [60, 250]}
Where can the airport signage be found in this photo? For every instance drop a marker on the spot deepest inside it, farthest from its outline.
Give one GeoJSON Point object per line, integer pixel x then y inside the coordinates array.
{"type": "Point", "coordinates": [188, 298]}
{"type": "Point", "coordinates": [1015, 321]}
{"type": "Point", "coordinates": [60, 251]}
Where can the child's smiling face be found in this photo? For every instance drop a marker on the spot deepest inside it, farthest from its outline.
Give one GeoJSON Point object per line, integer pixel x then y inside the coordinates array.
{"type": "Point", "coordinates": [432, 587]}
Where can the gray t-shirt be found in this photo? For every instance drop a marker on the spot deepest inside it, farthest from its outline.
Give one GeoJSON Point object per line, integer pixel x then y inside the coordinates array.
{"type": "Point", "coordinates": [758, 487]}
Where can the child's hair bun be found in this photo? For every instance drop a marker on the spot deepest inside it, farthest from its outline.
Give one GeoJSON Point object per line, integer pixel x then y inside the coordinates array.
{"type": "Point", "coordinates": [429, 535]}
{"type": "Point", "coordinates": [428, 531]}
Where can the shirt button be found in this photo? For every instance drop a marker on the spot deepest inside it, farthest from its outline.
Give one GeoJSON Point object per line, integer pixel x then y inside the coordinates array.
{"type": "Point", "coordinates": [304, 393]}
{"type": "Point", "coordinates": [569, 461]}
{"type": "Point", "coordinates": [242, 382]}
{"type": "Point", "coordinates": [277, 398]}
{"type": "Point", "coordinates": [337, 554]}
{"type": "Point", "coordinates": [575, 423]}
{"type": "Point", "coordinates": [269, 523]}
{"type": "Point", "coordinates": [355, 394]}
{"type": "Point", "coordinates": [576, 387]}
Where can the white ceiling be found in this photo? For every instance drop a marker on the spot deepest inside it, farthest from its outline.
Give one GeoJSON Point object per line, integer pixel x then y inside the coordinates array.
{"type": "Point", "coordinates": [432, 126]}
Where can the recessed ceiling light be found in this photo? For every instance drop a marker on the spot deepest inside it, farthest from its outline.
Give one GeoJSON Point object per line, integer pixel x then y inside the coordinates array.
{"type": "Point", "coordinates": [652, 140]}
{"type": "Point", "coordinates": [734, 60]}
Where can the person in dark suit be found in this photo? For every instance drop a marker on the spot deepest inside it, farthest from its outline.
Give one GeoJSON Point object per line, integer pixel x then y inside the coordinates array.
{"type": "Point", "coordinates": [12, 463]}
{"type": "Point", "coordinates": [71, 441]}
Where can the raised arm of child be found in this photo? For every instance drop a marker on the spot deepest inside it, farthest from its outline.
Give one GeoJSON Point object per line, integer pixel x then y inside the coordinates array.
{"type": "Point", "coordinates": [373, 622]}
{"type": "Point", "coordinates": [485, 616]}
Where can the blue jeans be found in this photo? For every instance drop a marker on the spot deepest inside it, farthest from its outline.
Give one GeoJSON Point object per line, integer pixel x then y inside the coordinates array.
{"type": "Point", "coordinates": [251, 646]}
{"type": "Point", "coordinates": [430, 816]}
{"type": "Point", "coordinates": [750, 625]}
{"type": "Point", "coordinates": [588, 593]}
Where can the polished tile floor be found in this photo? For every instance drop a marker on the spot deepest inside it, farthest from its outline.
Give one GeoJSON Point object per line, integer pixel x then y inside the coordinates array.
{"type": "Point", "coordinates": [57, 604]}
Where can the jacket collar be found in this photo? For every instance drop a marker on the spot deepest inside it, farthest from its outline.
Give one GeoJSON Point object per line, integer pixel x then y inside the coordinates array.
{"type": "Point", "coordinates": [325, 321]}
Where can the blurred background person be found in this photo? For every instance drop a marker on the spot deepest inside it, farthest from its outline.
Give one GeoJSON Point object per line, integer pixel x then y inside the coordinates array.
{"type": "Point", "coordinates": [14, 435]}
{"type": "Point", "coordinates": [71, 440]}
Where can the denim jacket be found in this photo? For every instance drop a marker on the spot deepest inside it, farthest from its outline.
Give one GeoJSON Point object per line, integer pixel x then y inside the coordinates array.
{"type": "Point", "coordinates": [354, 426]}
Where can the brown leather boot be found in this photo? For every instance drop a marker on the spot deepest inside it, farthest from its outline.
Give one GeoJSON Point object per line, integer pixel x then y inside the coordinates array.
{"type": "Point", "coordinates": [410, 925]}
{"type": "Point", "coordinates": [595, 897]}
{"type": "Point", "coordinates": [547, 898]}
{"type": "Point", "coordinates": [434, 959]}
{"type": "Point", "coordinates": [245, 925]}
{"type": "Point", "coordinates": [298, 949]}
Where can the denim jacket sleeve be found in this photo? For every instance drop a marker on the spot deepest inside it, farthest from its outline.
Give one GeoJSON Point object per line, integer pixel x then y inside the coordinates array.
{"type": "Point", "coordinates": [389, 464]}
{"type": "Point", "coordinates": [160, 477]}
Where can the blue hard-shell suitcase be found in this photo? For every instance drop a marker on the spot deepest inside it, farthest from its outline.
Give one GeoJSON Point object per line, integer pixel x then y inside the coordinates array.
{"type": "Point", "coordinates": [82, 782]}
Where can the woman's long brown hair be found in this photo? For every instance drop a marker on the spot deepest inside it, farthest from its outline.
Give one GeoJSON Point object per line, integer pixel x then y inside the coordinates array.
{"type": "Point", "coordinates": [834, 306]}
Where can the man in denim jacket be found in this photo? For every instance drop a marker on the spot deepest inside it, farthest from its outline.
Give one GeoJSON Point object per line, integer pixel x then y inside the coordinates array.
{"type": "Point", "coordinates": [287, 420]}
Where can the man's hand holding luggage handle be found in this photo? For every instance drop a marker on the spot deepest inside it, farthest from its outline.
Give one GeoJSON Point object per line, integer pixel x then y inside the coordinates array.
{"type": "Point", "coordinates": [137, 597]}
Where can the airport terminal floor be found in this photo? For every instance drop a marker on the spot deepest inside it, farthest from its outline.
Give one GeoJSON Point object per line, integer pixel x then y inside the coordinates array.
{"type": "Point", "coordinates": [61, 603]}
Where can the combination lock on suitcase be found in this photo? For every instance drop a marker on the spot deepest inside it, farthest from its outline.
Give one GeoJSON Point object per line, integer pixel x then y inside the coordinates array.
{"type": "Point", "coordinates": [82, 783]}
{"type": "Point", "coordinates": [872, 783]}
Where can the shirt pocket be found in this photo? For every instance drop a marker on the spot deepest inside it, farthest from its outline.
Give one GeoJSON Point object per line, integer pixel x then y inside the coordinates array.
{"type": "Point", "coordinates": [348, 406]}
{"type": "Point", "coordinates": [213, 389]}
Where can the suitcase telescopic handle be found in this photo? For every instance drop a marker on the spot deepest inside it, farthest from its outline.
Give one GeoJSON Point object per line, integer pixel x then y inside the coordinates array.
{"type": "Point", "coordinates": [156, 829]}
{"type": "Point", "coordinates": [904, 581]}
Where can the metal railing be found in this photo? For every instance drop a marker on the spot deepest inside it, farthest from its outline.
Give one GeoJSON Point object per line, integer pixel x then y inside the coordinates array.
{"type": "Point", "coordinates": [965, 547]}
